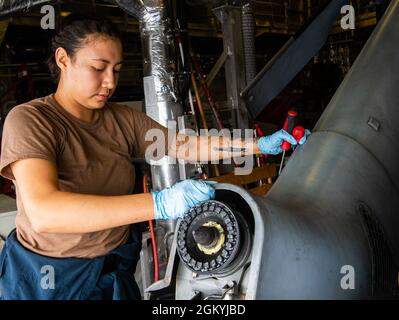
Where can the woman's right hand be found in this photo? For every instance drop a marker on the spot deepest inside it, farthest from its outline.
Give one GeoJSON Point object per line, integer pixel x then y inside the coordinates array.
{"type": "Point", "coordinates": [174, 202]}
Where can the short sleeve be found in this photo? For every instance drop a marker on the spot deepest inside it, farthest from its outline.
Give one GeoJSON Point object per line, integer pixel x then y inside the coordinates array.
{"type": "Point", "coordinates": [26, 134]}
{"type": "Point", "coordinates": [150, 134]}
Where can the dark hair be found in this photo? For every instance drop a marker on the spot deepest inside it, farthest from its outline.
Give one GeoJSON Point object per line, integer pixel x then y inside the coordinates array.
{"type": "Point", "coordinates": [71, 34]}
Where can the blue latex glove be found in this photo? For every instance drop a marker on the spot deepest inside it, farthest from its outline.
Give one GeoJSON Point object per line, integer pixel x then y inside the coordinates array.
{"type": "Point", "coordinates": [305, 137]}
{"type": "Point", "coordinates": [174, 202]}
{"type": "Point", "coordinates": [272, 144]}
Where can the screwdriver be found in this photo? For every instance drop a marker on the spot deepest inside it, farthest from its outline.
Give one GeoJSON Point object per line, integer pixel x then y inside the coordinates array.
{"type": "Point", "coordinates": [298, 132]}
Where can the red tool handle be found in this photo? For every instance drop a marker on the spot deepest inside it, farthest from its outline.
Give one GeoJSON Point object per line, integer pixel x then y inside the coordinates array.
{"type": "Point", "coordinates": [289, 127]}
{"type": "Point", "coordinates": [298, 132]}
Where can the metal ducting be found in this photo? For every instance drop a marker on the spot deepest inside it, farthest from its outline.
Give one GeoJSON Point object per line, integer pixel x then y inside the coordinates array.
{"type": "Point", "coordinates": [160, 98]}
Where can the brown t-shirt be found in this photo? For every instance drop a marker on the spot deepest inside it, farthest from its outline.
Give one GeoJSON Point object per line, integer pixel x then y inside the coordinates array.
{"type": "Point", "coordinates": [91, 158]}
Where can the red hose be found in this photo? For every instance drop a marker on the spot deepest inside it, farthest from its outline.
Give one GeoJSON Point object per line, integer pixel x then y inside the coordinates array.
{"type": "Point", "coordinates": [154, 244]}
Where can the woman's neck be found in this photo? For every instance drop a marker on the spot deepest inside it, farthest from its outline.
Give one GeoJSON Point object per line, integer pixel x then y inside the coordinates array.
{"type": "Point", "coordinates": [67, 102]}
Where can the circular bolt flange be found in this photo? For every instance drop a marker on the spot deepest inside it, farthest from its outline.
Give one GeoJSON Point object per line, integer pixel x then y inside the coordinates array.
{"type": "Point", "coordinates": [208, 237]}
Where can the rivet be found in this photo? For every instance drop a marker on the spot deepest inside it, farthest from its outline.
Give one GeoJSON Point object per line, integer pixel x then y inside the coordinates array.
{"type": "Point", "coordinates": [374, 123]}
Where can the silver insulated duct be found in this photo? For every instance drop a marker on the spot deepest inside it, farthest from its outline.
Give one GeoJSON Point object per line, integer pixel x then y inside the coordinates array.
{"type": "Point", "coordinates": [8, 7]}
{"type": "Point", "coordinates": [161, 105]}
{"type": "Point", "coordinates": [160, 99]}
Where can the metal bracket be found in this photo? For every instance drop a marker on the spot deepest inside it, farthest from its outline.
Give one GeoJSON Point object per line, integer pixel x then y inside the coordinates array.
{"type": "Point", "coordinates": [216, 68]}
{"type": "Point", "coordinates": [165, 282]}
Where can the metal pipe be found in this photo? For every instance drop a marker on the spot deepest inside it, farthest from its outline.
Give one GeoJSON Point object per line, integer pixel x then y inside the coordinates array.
{"type": "Point", "coordinates": [231, 20]}
{"type": "Point", "coordinates": [136, 8]}
{"type": "Point", "coordinates": [199, 102]}
{"type": "Point", "coordinates": [11, 6]}
{"type": "Point", "coordinates": [160, 97]}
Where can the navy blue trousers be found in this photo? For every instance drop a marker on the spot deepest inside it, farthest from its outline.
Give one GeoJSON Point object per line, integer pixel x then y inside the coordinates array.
{"type": "Point", "coordinates": [25, 275]}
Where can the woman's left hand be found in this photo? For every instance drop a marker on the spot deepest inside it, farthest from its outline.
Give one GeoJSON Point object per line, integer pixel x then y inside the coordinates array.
{"type": "Point", "coordinates": [305, 137]}
{"type": "Point", "coordinates": [272, 144]}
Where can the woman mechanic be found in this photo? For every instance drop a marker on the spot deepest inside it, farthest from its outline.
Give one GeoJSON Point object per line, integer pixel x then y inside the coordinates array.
{"type": "Point", "coordinates": [69, 155]}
